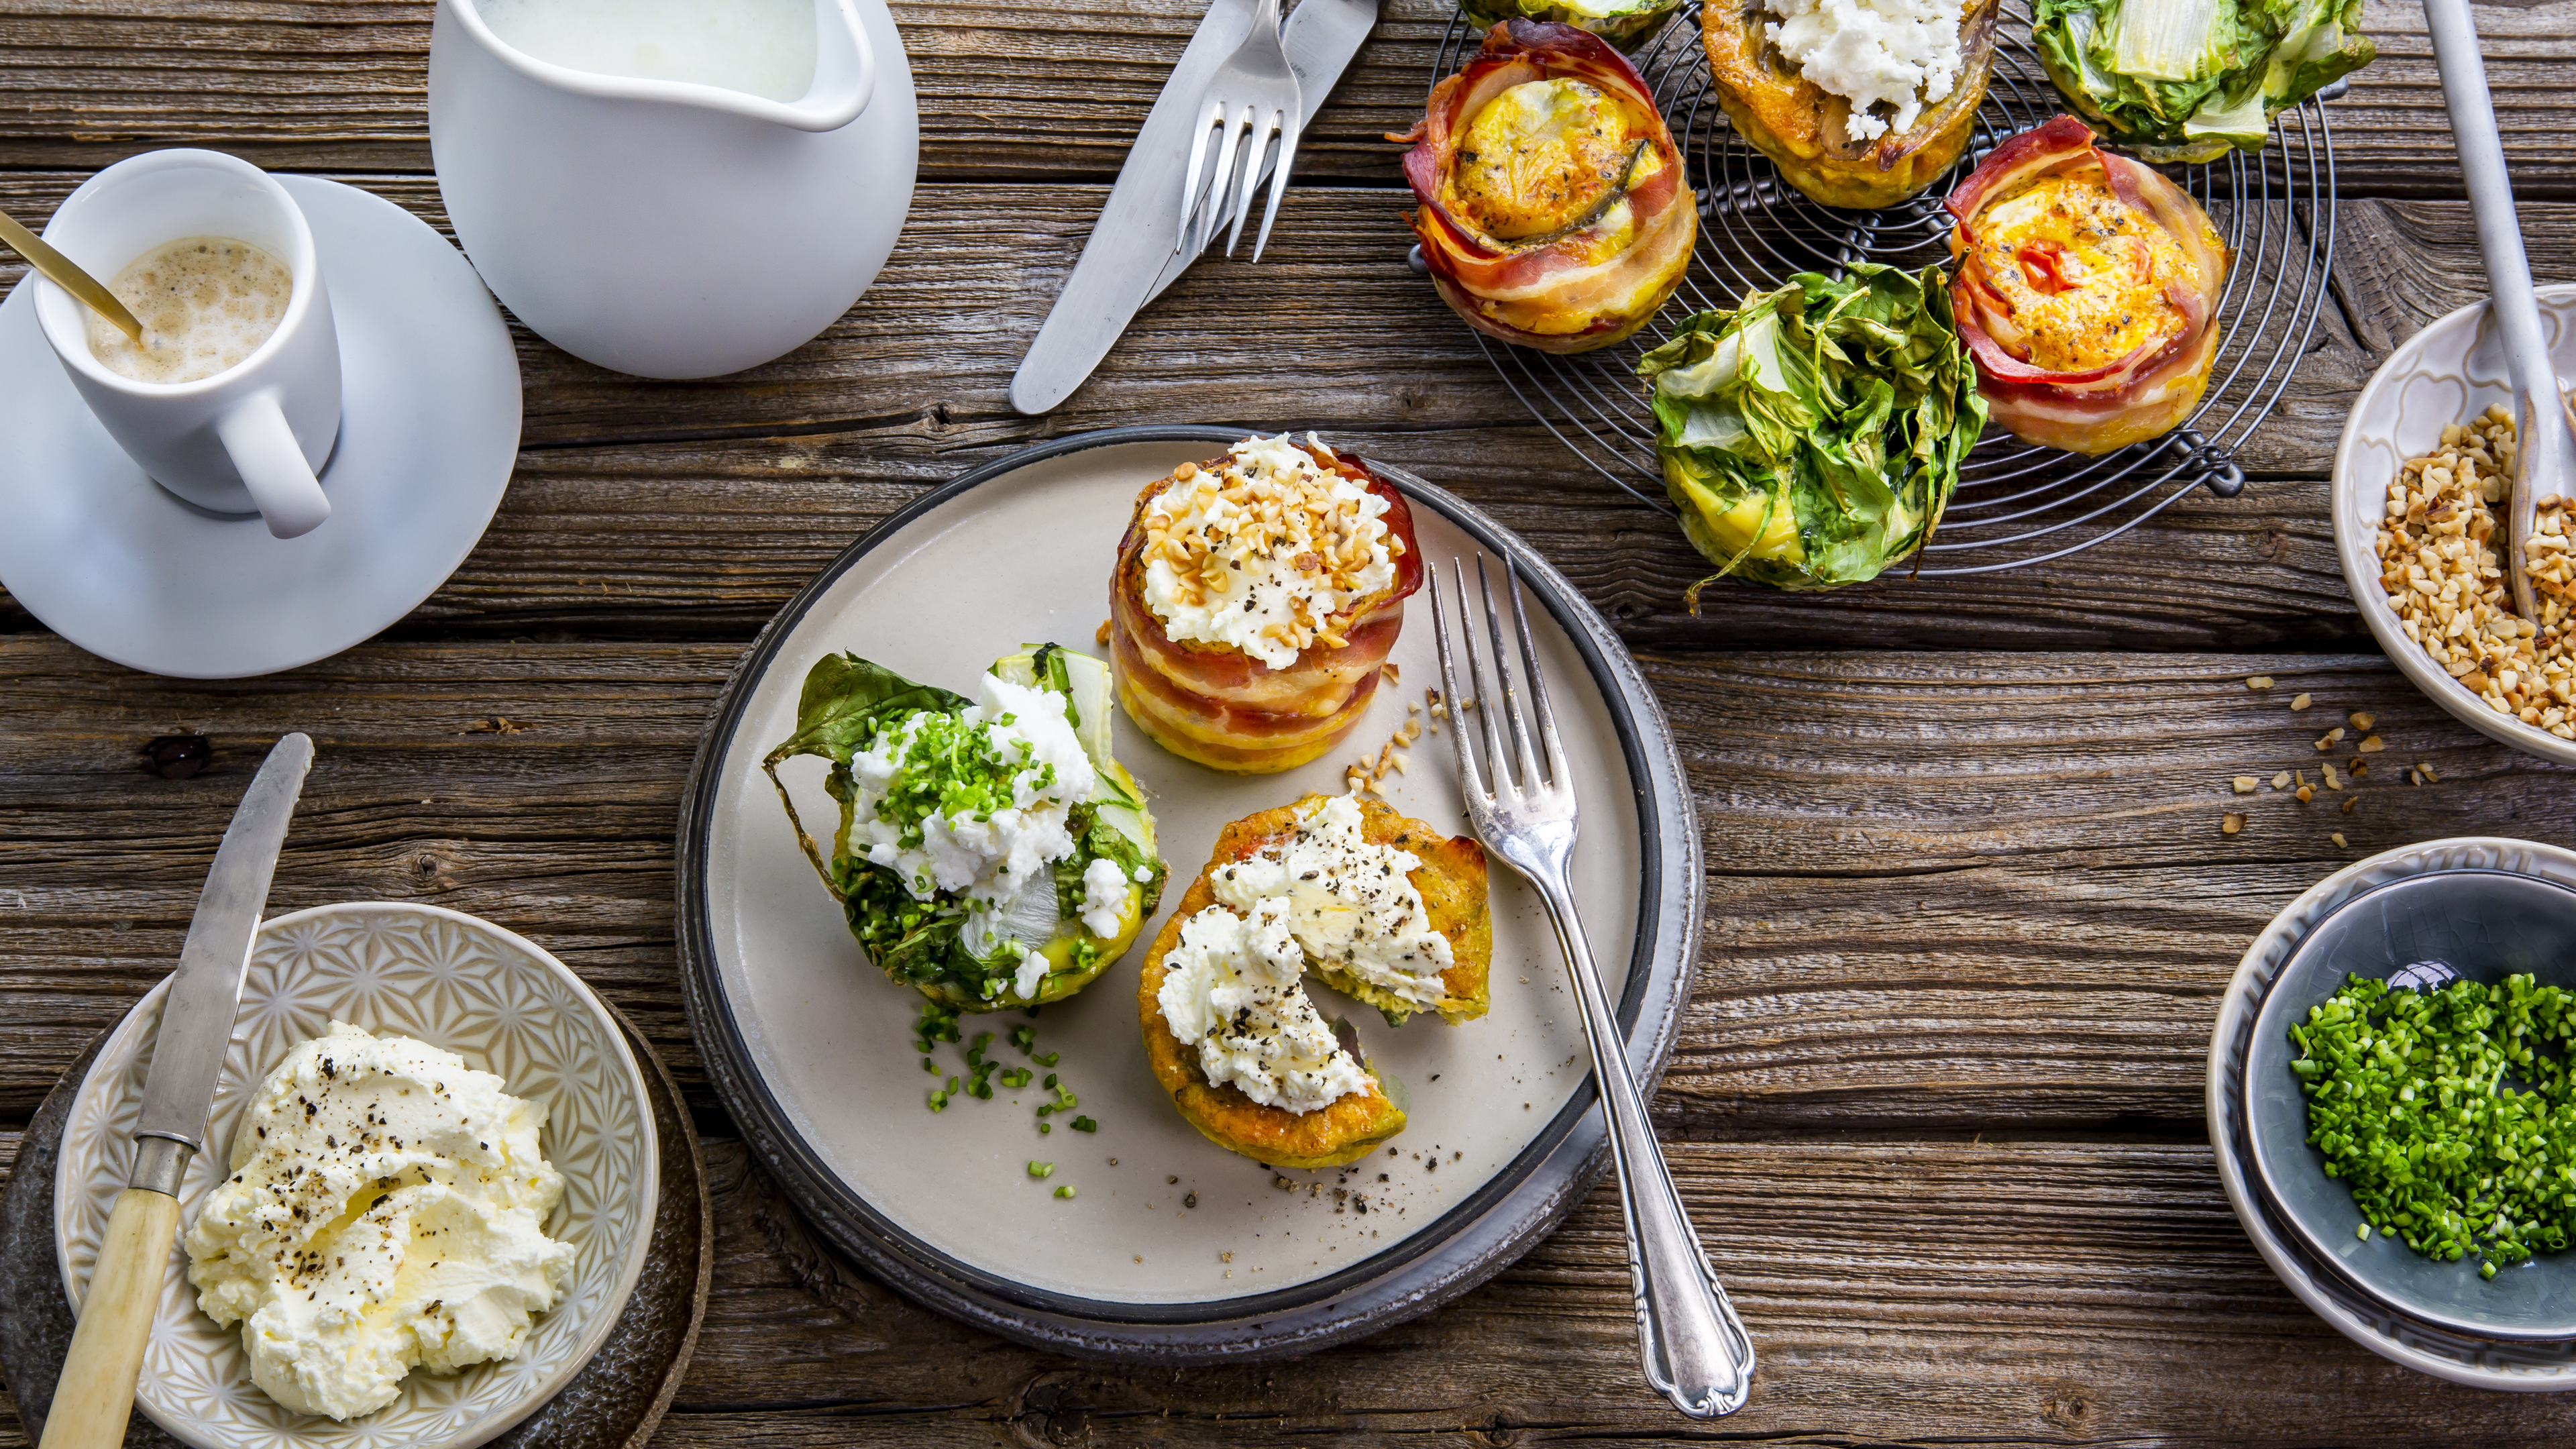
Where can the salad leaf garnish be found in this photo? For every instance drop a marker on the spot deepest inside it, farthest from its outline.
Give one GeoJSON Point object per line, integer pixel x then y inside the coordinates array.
{"type": "Point", "coordinates": [2184, 80]}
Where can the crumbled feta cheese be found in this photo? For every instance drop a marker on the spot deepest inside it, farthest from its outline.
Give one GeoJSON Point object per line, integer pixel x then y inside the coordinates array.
{"type": "Point", "coordinates": [973, 805]}
{"type": "Point", "coordinates": [1260, 553]}
{"type": "Point", "coordinates": [1104, 897]}
{"type": "Point", "coordinates": [1230, 988]}
{"type": "Point", "coordinates": [1903, 54]}
{"type": "Point", "coordinates": [386, 1209]}
{"type": "Point", "coordinates": [1350, 903]}
{"type": "Point", "coordinates": [1032, 972]}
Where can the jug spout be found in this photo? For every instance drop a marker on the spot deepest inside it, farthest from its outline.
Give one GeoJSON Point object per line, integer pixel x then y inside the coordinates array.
{"type": "Point", "coordinates": [845, 73]}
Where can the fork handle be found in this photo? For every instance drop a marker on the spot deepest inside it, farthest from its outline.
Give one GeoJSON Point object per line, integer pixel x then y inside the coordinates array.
{"type": "Point", "coordinates": [1697, 1353]}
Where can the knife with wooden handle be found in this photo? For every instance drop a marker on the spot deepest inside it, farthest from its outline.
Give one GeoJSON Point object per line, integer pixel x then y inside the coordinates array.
{"type": "Point", "coordinates": [95, 1394]}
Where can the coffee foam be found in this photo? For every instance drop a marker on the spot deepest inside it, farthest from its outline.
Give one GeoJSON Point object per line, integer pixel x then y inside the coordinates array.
{"type": "Point", "coordinates": [205, 302]}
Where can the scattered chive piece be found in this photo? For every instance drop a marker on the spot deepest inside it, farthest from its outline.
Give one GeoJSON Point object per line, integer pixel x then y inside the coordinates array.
{"type": "Point", "coordinates": [1045, 1127]}
{"type": "Point", "coordinates": [1085, 1124]}
{"type": "Point", "coordinates": [1041, 1169]}
{"type": "Point", "coordinates": [1046, 1059]}
{"type": "Point", "coordinates": [938, 1100]}
{"type": "Point", "coordinates": [1065, 1191]}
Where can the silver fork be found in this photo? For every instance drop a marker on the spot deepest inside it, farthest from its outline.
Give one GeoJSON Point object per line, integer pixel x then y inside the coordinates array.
{"type": "Point", "coordinates": [1252, 97]}
{"type": "Point", "coordinates": [1697, 1353]}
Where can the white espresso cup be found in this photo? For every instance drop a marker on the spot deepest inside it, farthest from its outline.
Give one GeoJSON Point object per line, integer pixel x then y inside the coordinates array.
{"type": "Point", "coordinates": [253, 437]}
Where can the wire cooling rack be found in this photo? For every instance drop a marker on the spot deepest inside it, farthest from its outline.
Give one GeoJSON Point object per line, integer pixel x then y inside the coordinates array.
{"type": "Point", "coordinates": [2016, 503]}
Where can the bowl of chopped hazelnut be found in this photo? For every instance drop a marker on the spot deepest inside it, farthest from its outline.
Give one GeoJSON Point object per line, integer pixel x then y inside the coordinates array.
{"type": "Point", "coordinates": [2420, 487]}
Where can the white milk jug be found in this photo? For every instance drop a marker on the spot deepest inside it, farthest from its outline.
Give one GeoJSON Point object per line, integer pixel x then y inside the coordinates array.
{"type": "Point", "coordinates": [670, 221]}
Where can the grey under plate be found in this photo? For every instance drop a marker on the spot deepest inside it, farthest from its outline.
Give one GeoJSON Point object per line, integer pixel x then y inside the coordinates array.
{"type": "Point", "coordinates": [614, 1403]}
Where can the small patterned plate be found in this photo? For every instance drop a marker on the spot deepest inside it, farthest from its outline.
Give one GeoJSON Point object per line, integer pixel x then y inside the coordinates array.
{"type": "Point", "coordinates": [2450, 372]}
{"type": "Point", "coordinates": [494, 998]}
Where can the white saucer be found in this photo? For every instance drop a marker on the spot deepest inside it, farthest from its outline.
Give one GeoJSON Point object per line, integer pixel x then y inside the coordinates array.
{"type": "Point", "coordinates": [429, 430]}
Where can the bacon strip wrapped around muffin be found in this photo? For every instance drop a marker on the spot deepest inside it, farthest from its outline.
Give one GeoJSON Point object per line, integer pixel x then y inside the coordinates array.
{"type": "Point", "coordinates": [2087, 288]}
{"type": "Point", "coordinates": [1552, 212]}
{"type": "Point", "coordinates": [1255, 600]}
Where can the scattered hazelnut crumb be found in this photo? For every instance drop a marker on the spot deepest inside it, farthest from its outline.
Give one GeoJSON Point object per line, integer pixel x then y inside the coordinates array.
{"type": "Point", "coordinates": [2333, 780]}
{"type": "Point", "coordinates": [2307, 793]}
{"type": "Point", "coordinates": [2281, 781]}
{"type": "Point", "coordinates": [1226, 1257]}
{"type": "Point", "coordinates": [2328, 740]}
{"type": "Point", "coordinates": [2338, 839]}
{"type": "Point", "coordinates": [2231, 824]}
{"type": "Point", "coordinates": [2363, 721]}
{"type": "Point", "coordinates": [2371, 746]}
{"type": "Point", "coordinates": [2349, 802]}
{"type": "Point", "coordinates": [2258, 681]}
{"type": "Point", "coordinates": [2302, 702]}
{"type": "Point", "coordinates": [2429, 775]}
{"type": "Point", "coordinates": [2245, 784]}
{"type": "Point", "coordinates": [2415, 777]}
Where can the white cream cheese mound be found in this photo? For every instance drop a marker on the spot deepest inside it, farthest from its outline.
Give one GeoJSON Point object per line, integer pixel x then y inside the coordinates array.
{"type": "Point", "coordinates": [1231, 987]}
{"type": "Point", "coordinates": [1351, 903]}
{"type": "Point", "coordinates": [975, 805]}
{"type": "Point", "coordinates": [1902, 53]}
{"type": "Point", "coordinates": [1262, 552]}
{"type": "Point", "coordinates": [386, 1210]}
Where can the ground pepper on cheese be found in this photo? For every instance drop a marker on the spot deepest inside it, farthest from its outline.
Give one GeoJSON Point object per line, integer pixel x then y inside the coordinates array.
{"type": "Point", "coordinates": [386, 1210]}
{"type": "Point", "coordinates": [1264, 552]}
{"type": "Point", "coordinates": [2441, 561]}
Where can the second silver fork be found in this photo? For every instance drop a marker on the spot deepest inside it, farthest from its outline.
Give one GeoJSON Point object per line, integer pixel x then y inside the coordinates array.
{"type": "Point", "coordinates": [1251, 100]}
{"type": "Point", "coordinates": [1697, 1353]}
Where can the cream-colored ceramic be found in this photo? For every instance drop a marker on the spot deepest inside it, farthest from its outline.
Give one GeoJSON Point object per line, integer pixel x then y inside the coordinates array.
{"type": "Point", "coordinates": [1161, 1216]}
{"type": "Point", "coordinates": [492, 997]}
{"type": "Point", "coordinates": [666, 228]}
{"type": "Point", "coordinates": [2478, 1362]}
{"type": "Point", "coordinates": [2447, 373]}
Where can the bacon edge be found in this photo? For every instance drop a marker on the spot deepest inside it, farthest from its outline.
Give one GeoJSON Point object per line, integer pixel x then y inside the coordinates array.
{"type": "Point", "coordinates": [1529, 294]}
{"type": "Point", "coordinates": [1222, 708]}
{"type": "Point", "coordinates": [2142, 395]}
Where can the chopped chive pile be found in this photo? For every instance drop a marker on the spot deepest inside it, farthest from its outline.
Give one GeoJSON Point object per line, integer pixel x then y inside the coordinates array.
{"type": "Point", "coordinates": [2408, 1099]}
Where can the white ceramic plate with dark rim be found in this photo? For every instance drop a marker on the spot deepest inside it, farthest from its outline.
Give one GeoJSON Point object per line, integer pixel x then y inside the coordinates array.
{"type": "Point", "coordinates": [1172, 1249]}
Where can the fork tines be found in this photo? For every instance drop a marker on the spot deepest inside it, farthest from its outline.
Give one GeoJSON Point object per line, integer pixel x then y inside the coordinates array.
{"type": "Point", "coordinates": [1535, 786]}
{"type": "Point", "coordinates": [1247, 130]}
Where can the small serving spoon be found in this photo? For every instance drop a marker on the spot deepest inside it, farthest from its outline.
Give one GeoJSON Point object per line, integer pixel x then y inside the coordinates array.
{"type": "Point", "coordinates": [2544, 450]}
{"type": "Point", "coordinates": [61, 271]}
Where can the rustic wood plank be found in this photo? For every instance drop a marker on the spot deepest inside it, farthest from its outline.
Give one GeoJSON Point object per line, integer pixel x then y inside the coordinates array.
{"type": "Point", "coordinates": [697, 507]}
{"type": "Point", "coordinates": [2004, 1293]}
{"type": "Point", "coordinates": [1947, 890]}
{"type": "Point", "coordinates": [309, 84]}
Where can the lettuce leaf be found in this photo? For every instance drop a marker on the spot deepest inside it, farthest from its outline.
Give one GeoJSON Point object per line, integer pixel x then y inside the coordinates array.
{"type": "Point", "coordinates": [1812, 435]}
{"type": "Point", "coordinates": [2184, 80]}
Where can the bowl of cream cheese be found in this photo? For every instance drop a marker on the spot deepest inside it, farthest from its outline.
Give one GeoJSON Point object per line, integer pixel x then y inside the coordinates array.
{"type": "Point", "coordinates": [426, 1194]}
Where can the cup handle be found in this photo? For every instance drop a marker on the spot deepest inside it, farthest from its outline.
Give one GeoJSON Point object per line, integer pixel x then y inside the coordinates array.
{"type": "Point", "coordinates": [272, 466]}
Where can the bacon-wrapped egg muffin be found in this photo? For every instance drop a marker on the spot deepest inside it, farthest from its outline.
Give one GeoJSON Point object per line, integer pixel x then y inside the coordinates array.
{"type": "Point", "coordinates": [1254, 602]}
{"type": "Point", "coordinates": [1860, 103]}
{"type": "Point", "coordinates": [1552, 211]}
{"type": "Point", "coordinates": [2086, 289]}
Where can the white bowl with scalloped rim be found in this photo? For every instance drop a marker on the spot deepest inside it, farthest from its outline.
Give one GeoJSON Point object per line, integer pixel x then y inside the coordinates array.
{"type": "Point", "coordinates": [496, 999]}
{"type": "Point", "coordinates": [2448, 373]}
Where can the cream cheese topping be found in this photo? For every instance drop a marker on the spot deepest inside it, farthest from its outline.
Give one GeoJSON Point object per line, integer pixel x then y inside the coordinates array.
{"type": "Point", "coordinates": [1351, 904]}
{"type": "Point", "coordinates": [1903, 54]}
{"type": "Point", "coordinates": [975, 805]}
{"type": "Point", "coordinates": [1231, 987]}
{"type": "Point", "coordinates": [1259, 553]}
{"type": "Point", "coordinates": [386, 1210]}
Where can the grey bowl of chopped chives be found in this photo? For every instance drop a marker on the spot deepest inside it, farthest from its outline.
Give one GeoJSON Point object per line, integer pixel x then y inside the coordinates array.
{"type": "Point", "coordinates": [2410, 1090]}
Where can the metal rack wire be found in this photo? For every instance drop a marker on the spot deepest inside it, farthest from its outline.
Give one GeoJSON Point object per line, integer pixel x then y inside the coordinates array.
{"type": "Point", "coordinates": [2016, 503]}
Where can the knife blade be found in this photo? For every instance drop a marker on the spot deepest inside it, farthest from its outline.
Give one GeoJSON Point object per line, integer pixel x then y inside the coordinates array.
{"type": "Point", "coordinates": [95, 1394]}
{"type": "Point", "coordinates": [1129, 257]}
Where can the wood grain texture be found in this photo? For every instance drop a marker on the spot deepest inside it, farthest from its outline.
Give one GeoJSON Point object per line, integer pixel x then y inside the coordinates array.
{"type": "Point", "coordinates": [693, 509]}
{"type": "Point", "coordinates": [1006, 92]}
{"type": "Point", "coordinates": [1946, 890]}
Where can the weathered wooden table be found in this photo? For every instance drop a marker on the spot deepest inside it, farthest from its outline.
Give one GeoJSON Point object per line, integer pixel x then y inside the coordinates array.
{"type": "Point", "coordinates": [1937, 1104]}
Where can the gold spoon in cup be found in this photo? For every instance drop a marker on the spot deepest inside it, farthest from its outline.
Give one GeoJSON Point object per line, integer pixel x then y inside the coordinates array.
{"type": "Point", "coordinates": [60, 270]}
